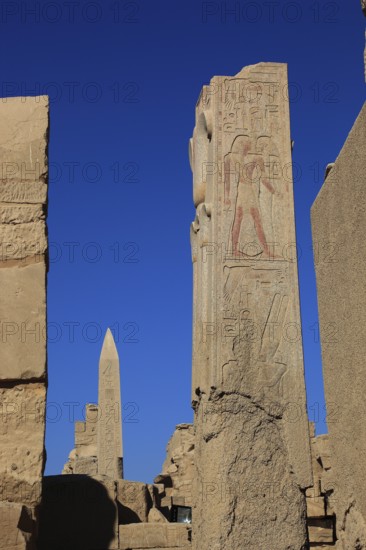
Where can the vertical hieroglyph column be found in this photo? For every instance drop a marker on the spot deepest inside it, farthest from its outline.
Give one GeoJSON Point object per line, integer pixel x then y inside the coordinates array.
{"type": "Point", "coordinates": [110, 450]}
{"type": "Point", "coordinates": [23, 267]}
{"type": "Point", "coordinates": [251, 429]}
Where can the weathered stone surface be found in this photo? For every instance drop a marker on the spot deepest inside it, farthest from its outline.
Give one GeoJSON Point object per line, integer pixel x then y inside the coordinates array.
{"type": "Point", "coordinates": [321, 451]}
{"type": "Point", "coordinates": [178, 468]}
{"type": "Point", "coordinates": [23, 195]}
{"type": "Point", "coordinates": [21, 213]}
{"type": "Point", "coordinates": [86, 432]}
{"type": "Point", "coordinates": [20, 192]}
{"type": "Point", "coordinates": [110, 451]}
{"type": "Point", "coordinates": [69, 466]}
{"type": "Point", "coordinates": [22, 418]}
{"type": "Point", "coordinates": [23, 247]}
{"type": "Point", "coordinates": [148, 535]}
{"type": "Point", "coordinates": [315, 507]}
{"type": "Point", "coordinates": [23, 322]}
{"type": "Point", "coordinates": [83, 458]}
{"type": "Point", "coordinates": [155, 516]}
{"type": "Point", "coordinates": [78, 512]}
{"type": "Point", "coordinates": [22, 415]}
{"type": "Point", "coordinates": [20, 491]}
{"type": "Point", "coordinates": [23, 178]}
{"type": "Point", "coordinates": [17, 527]}
{"type": "Point", "coordinates": [321, 465]}
{"type": "Point", "coordinates": [86, 466]}
{"type": "Point", "coordinates": [23, 138]}
{"type": "Point", "coordinates": [320, 514]}
{"type": "Point", "coordinates": [134, 501]}
{"type": "Point", "coordinates": [22, 240]}
{"type": "Point", "coordinates": [339, 225]}
{"type": "Point", "coordinates": [252, 459]}
{"type": "Point", "coordinates": [320, 534]}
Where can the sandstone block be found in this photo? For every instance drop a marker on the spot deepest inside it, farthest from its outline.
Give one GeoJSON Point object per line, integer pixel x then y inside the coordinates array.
{"type": "Point", "coordinates": [321, 531]}
{"type": "Point", "coordinates": [86, 432]}
{"type": "Point", "coordinates": [23, 192]}
{"type": "Point", "coordinates": [322, 450]}
{"type": "Point", "coordinates": [23, 138]}
{"type": "Point", "coordinates": [87, 466]}
{"type": "Point", "coordinates": [22, 416]}
{"type": "Point", "coordinates": [17, 527]}
{"type": "Point", "coordinates": [23, 322]}
{"type": "Point", "coordinates": [155, 516]}
{"type": "Point", "coordinates": [315, 507]}
{"type": "Point", "coordinates": [134, 501]}
{"type": "Point", "coordinates": [23, 240]}
{"type": "Point", "coordinates": [21, 213]}
{"type": "Point", "coordinates": [166, 501]}
{"type": "Point", "coordinates": [147, 535]}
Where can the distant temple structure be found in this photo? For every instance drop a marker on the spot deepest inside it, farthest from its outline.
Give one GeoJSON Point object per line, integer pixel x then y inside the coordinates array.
{"type": "Point", "coordinates": [250, 473]}
{"type": "Point", "coordinates": [98, 439]}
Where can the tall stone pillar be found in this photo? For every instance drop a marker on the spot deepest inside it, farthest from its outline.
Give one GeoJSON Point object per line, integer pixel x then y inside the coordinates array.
{"type": "Point", "coordinates": [23, 249]}
{"type": "Point", "coordinates": [110, 451]}
{"type": "Point", "coordinates": [252, 440]}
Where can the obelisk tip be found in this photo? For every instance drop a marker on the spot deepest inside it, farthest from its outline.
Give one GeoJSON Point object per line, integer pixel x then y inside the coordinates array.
{"type": "Point", "coordinates": [109, 345]}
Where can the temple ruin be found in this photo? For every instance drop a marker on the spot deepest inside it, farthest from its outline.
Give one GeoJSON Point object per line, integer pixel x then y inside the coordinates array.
{"type": "Point", "coordinates": [244, 475]}
{"type": "Point", "coordinates": [247, 347]}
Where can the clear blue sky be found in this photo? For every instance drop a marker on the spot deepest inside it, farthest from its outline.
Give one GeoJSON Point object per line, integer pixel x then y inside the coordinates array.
{"type": "Point", "coordinates": [124, 78]}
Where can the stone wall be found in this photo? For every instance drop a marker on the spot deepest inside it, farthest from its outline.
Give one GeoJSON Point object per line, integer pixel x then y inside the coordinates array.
{"type": "Point", "coordinates": [23, 267]}
{"type": "Point", "coordinates": [339, 227]}
{"type": "Point", "coordinates": [145, 535]}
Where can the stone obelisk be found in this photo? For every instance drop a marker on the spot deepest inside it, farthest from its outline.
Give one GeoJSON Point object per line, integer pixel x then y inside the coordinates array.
{"type": "Point", "coordinates": [110, 449]}
{"type": "Point", "coordinates": [252, 453]}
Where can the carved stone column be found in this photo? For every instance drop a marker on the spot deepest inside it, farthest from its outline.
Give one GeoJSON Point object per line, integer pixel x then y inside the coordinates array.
{"type": "Point", "coordinates": [252, 440]}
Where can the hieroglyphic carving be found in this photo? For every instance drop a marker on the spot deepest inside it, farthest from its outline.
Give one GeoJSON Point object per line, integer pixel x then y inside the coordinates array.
{"type": "Point", "coordinates": [24, 134]}
{"type": "Point", "coordinates": [110, 453]}
{"type": "Point", "coordinates": [251, 187]}
{"type": "Point", "coordinates": [246, 336]}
